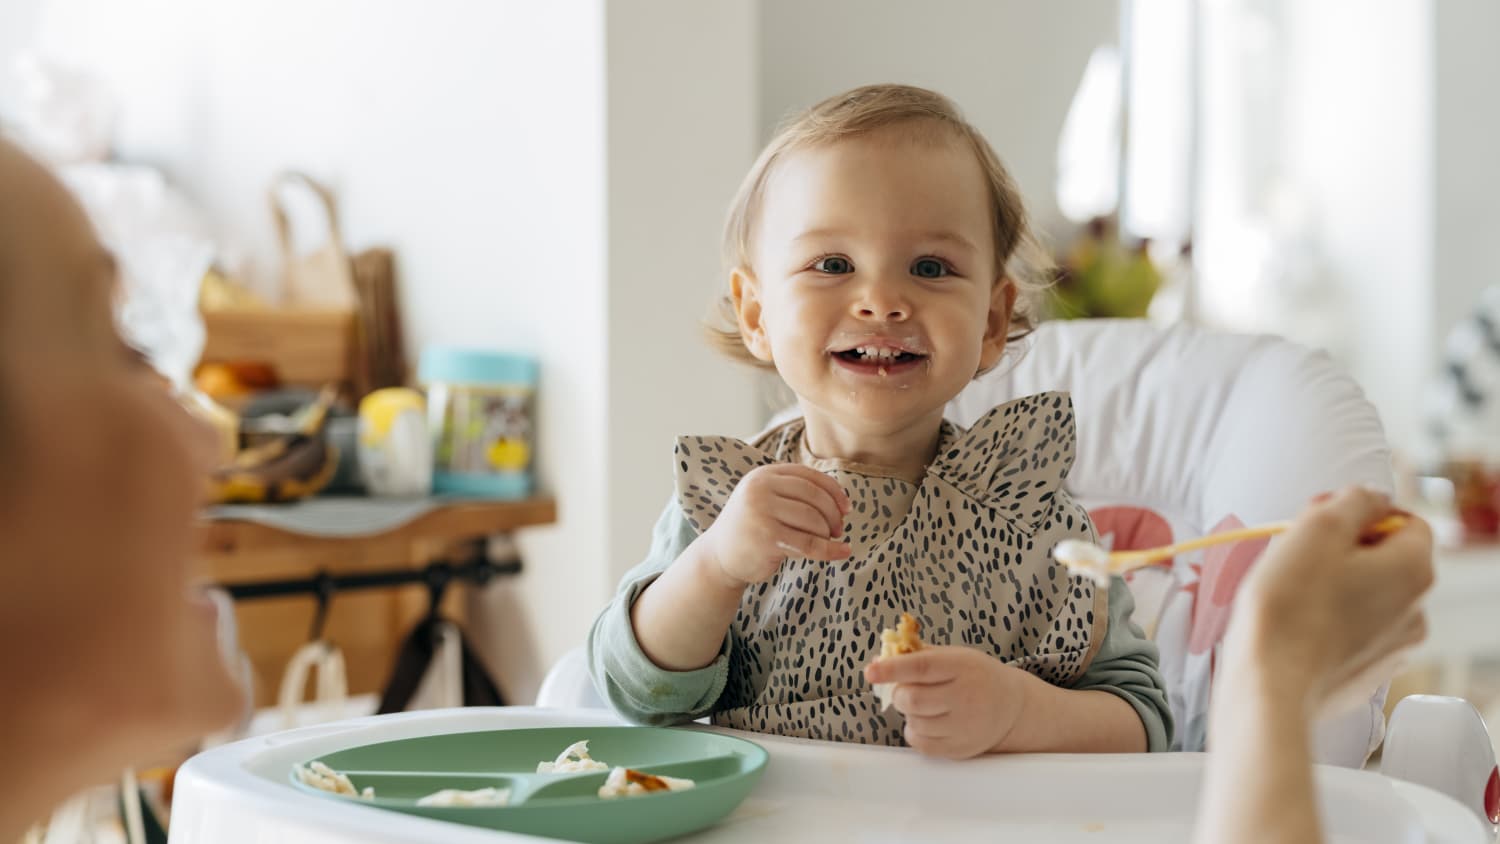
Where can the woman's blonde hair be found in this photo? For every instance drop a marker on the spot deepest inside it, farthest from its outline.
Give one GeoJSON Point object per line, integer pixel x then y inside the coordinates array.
{"type": "Point", "coordinates": [860, 112]}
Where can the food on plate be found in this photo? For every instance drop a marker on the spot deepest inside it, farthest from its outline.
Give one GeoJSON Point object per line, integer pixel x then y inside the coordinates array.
{"type": "Point", "coordinates": [454, 797]}
{"type": "Point", "coordinates": [320, 776]}
{"type": "Point", "coordinates": [625, 782]}
{"type": "Point", "coordinates": [574, 760]}
{"type": "Point", "coordinates": [904, 638]}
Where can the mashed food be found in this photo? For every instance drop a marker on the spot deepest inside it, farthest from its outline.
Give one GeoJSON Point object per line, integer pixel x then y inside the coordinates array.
{"type": "Point", "coordinates": [574, 760]}
{"type": "Point", "coordinates": [452, 797]}
{"type": "Point", "coordinates": [320, 776]}
{"type": "Point", "coordinates": [624, 782]}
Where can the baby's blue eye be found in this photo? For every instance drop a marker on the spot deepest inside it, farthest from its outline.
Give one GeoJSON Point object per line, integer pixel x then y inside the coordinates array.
{"type": "Point", "coordinates": [929, 268]}
{"type": "Point", "coordinates": [833, 265]}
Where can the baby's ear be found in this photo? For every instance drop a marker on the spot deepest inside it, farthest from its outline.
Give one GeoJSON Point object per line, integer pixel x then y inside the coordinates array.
{"type": "Point", "coordinates": [744, 289]}
{"type": "Point", "coordinates": [997, 322]}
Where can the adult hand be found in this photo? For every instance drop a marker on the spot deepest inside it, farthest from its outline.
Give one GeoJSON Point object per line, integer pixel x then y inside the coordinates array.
{"type": "Point", "coordinates": [1317, 623]}
{"type": "Point", "coordinates": [1329, 604]}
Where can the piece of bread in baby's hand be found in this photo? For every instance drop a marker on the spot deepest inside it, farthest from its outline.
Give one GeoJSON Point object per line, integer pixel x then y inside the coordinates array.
{"type": "Point", "coordinates": [904, 638]}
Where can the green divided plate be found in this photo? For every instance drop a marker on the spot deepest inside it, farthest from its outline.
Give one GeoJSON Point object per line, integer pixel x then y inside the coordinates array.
{"type": "Point", "coordinates": [563, 806]}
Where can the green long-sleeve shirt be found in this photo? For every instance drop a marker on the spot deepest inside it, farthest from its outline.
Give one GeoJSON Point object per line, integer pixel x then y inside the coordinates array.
{"type": "Point", "coordinates": [1125, 664]}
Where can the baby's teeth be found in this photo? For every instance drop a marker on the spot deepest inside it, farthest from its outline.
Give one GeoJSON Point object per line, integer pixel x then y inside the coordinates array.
{"type": "Point", "coordinates": [877, 353]}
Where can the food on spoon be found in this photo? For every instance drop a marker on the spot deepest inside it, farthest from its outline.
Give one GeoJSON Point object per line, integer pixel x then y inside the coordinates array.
{"type": "Point", "coordinates": [1084, 559]}
{"type": "Point", "coordinates": [455, 797]}
{"type": "Point", "coordinates": [574, 760]}
{"type": "Point", "coordinates": [904, 638]}
{"type": "Point", "coordinates": [320, 776]}
{"type": "Point", "coordinates": [625, 782]}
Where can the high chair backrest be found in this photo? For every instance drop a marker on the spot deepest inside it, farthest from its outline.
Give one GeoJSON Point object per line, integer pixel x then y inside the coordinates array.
{"type": "Point", "coordinates": [1183, 431]}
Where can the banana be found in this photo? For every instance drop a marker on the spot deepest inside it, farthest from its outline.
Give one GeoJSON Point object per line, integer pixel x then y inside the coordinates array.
{"type": "Point", "coordinates": [290, 467]}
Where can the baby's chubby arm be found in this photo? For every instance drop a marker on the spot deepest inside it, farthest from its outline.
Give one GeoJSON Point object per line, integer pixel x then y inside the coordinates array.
{"type": "Point", "coordinates": [776, 511]}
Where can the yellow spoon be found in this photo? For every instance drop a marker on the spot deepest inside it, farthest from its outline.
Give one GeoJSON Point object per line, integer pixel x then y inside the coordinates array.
{"type": "Point", "coordinates": [1089, 560]}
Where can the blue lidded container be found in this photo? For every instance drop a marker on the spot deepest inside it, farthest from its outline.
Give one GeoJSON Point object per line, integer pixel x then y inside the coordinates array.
{"type": "Point", "coordinates": [480, 407]}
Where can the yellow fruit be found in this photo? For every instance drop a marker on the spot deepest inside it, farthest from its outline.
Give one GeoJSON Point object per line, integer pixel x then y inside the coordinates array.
{"type": "Point", "coordinates": [286, 468]}
{"type": "Point", "coordinates": [220, 293]}
{"type": "Point", "coordinates": [378, 411]}
{"type": "Point", "coordinates": [218, 381]}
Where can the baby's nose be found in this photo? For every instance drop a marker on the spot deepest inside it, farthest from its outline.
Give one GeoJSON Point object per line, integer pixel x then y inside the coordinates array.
{"type": "Point", "coordinates": [891, 314]}
{"type": "Point", "coordinates": [882, 301]}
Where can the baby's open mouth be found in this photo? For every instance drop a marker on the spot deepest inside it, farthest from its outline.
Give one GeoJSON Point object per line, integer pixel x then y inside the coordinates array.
{"type": "Point", "coordinates": [883, 361]}
{"type": "Point", "coordinates": [877, 355]}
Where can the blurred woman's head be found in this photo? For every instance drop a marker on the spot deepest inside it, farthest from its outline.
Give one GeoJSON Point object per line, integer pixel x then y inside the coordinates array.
{"type": "Point", "coordinates": [101, 473]}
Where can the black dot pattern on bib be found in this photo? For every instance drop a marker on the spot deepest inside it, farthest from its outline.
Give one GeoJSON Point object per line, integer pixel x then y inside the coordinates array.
{"type": "Point", "coordinates": [970, 558]}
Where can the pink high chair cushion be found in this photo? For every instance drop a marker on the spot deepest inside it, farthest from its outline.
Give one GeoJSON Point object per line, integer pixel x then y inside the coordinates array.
{"type": "Point", "coordinates": [1184, 431]}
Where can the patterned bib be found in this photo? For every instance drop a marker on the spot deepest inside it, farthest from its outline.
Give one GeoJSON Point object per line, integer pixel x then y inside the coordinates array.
{"type": "Point", "coordinates": [966, 550]}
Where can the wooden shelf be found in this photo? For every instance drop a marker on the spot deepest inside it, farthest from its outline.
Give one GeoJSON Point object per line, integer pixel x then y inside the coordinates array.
{"type": "Point", "coordinates": [237, 549]}
{"type": "Point", "coordinates": [367, 625]}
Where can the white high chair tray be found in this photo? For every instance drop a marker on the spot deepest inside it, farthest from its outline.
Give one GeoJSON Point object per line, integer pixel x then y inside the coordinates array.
{"type": "Point", "coordinates": [239, 794]}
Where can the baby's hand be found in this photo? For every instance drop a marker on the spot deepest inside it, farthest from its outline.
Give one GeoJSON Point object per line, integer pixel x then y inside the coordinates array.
{"type": "Point", "coordinates": [958, 702]}
{"type": "Point", "coordinates": [778, 511]}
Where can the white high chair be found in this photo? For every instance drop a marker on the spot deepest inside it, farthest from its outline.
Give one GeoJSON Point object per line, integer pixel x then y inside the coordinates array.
{"type": "Point", "coordinates": [1181, 430]}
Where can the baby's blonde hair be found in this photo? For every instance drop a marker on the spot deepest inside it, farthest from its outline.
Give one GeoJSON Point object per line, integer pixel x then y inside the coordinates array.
{"type": "Point", "coordinates": [857, 113]}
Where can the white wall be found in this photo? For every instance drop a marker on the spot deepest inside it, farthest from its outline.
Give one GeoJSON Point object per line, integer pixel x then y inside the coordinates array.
{"type": "Point", "coordinates": [1012, 65]}
{"type": "Point", "coordinates": [682, 83]}
{"type": "Point", "coordinates": [1467, 116]}
{"type": "Point", "coordinates": [467, 135]}
{"type": "Point", "coordinates": [1360, 142]}
{"type": "Point", "coordinates": [552, 176]}
{"type": "Point", "coordinates": [18, 25]}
